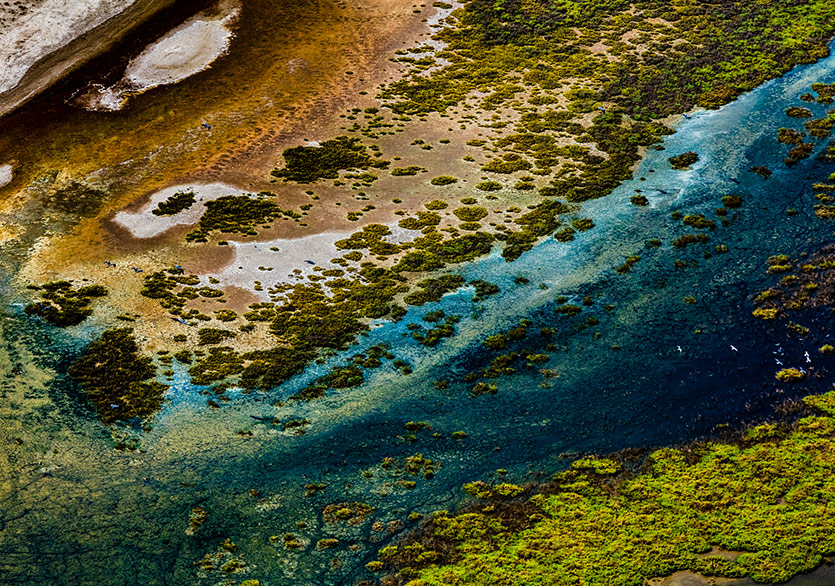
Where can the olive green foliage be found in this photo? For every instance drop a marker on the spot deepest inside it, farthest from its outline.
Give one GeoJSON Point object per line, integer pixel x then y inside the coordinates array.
{"type": "Point", "coordinates": [117, 379]}
{"type": "Point", "coordinates": [789, 136]}
{"type": "Point", "coordinates": [508, 163]}
{"type": "Point", "coordinates": [173, 290]}
{"type": "Point", "coordinates": [790, 375]}
{"type": "Point", "coordinates": [419, 261]}
{"type": "Point", "coordinates": [62, 305]}
{"type": "Point", "coordinates": [798, 112]}
{"type": "Point", "coordinates": [483, 289]}
{"type": "Point", "coordinates": [489, 186]}
{"type": "Point", "coordinates": [684, 160]}
{"type": "Point", "coordinates": [443, 180]}
{"type": "Point", "coordinates": [407, 171]}
{"type": "Point", "coordinates": [430, 290]}
{"type": "Point", "coordinates": [180, 201]}
{"type": "Point", "coordinates": [732, 202]}
{"type": "Point", "coordinates": [698, 221]}
{"type": "Point", "coordinates": [371, 237]}
{"type": "Point", "coordinates": [820, 128]}
{"type": "Point", "coordinates": [423, 220]}
{"type": "Point", "coordinates": [208, 336]}
{"type": "Point", "coordinates": [436, 204]}
{"type": "Point", "coordinates": [704, 54]}
{"type": "Point", "coordinates": [236, 214]}
{"type": "Point", "coordinates": [431, 336]}
{"type": "Point", "coordinates": [470, 214]}
{"type": "Point", "coordinates": [306, 164]}
{"type": "Point", "coordinates": [688, 239]}
{"type": "Point", "coordinates": [539, 222]}
{"type": "Point", "coordinates": [799, 152]}
{"type": "Point", "coordinates": [767, 498]}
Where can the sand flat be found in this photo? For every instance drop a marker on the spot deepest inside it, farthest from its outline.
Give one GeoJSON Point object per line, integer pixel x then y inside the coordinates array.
{"type": "Point", "coordinates": [6, 174]}
{"type": "Point", "coordinates": [184, 51]}
{"type": "Point", "coordinates": [144, 224]}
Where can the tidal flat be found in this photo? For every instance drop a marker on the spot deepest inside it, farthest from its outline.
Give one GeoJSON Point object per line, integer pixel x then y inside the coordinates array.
{"type": "Point", "coordinates": [398, 293]}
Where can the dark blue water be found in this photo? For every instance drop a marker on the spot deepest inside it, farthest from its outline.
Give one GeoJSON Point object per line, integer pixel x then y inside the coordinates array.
{"type": "Point", "coordinates": [653, 371]}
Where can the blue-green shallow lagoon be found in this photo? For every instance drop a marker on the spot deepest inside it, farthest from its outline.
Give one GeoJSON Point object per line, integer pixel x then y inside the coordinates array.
{"type": "Point", "coordinates": [75, 511]}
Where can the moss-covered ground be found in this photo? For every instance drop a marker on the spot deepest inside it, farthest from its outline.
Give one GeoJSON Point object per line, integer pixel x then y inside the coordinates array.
{"type": "Point", "coordinates": [758, 507]}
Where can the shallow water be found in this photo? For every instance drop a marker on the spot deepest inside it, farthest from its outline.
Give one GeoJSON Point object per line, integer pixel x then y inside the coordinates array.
{"type": "Point", "coordinates": [77, 512]}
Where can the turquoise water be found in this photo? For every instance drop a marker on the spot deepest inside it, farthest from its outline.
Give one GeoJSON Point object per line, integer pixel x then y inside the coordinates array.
{"type": "Point", "coordinates": [74, 511]}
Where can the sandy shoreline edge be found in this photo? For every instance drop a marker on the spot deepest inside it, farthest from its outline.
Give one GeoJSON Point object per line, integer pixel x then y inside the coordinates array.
{"type": "Point", "coordinates": [54, 66]}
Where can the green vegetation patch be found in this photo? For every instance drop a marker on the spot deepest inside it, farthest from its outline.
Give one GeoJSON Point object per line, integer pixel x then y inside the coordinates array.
{"type": "Point", "coordinates": [798, 112]}
{"type": "Point", "coordinates": [63, 305]}
{"type": "Point", "coordinates": [684, 160]}
{"type": "Point", "coordinates": [470, 214]}
{"type": "Point", "coordinates": [431, 290]}
{"type": "Point", "coordinates": [237, 214]}
{"type": "Point", "coordinates": [767, 498]}
{"type": "Point", "coordinates": [179, 202]}
{"type": "Point", "coordinates": [489, 186]}
{"type": "Point", "coordinates": [407, 171]}
{"type": "Point", "coordinates": [117, 380]}
{"type": "Point", "coordinates": [443, 180]}
{"type": "Point", "coordinates": [207, 336]}
{"type": "Point", "coordinates": [306, 164]}
{"type": "Point", "coordinates": [423, 220]}
{"type": "Point", "coordinates": [436, 204]}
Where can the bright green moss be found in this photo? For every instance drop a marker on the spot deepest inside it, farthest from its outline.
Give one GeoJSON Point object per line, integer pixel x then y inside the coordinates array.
{"type": "Point", "coordinates": [767, 498]}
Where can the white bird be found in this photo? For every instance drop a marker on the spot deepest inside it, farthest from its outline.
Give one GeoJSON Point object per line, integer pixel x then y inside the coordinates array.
{"type": "Point", "coordinates": [679, 349]}
{"type": "Point", "coordinates": [734, 348]}
{"type": "Point", "coordinates": [778, 362]}
{"type": "Point", "coordinates": [808, 359]}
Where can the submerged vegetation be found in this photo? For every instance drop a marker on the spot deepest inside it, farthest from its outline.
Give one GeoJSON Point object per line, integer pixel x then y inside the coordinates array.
{"type": "Point", "coordinates": [117, 380]}
{"type": "Point", "coordinates": [764, 499]}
